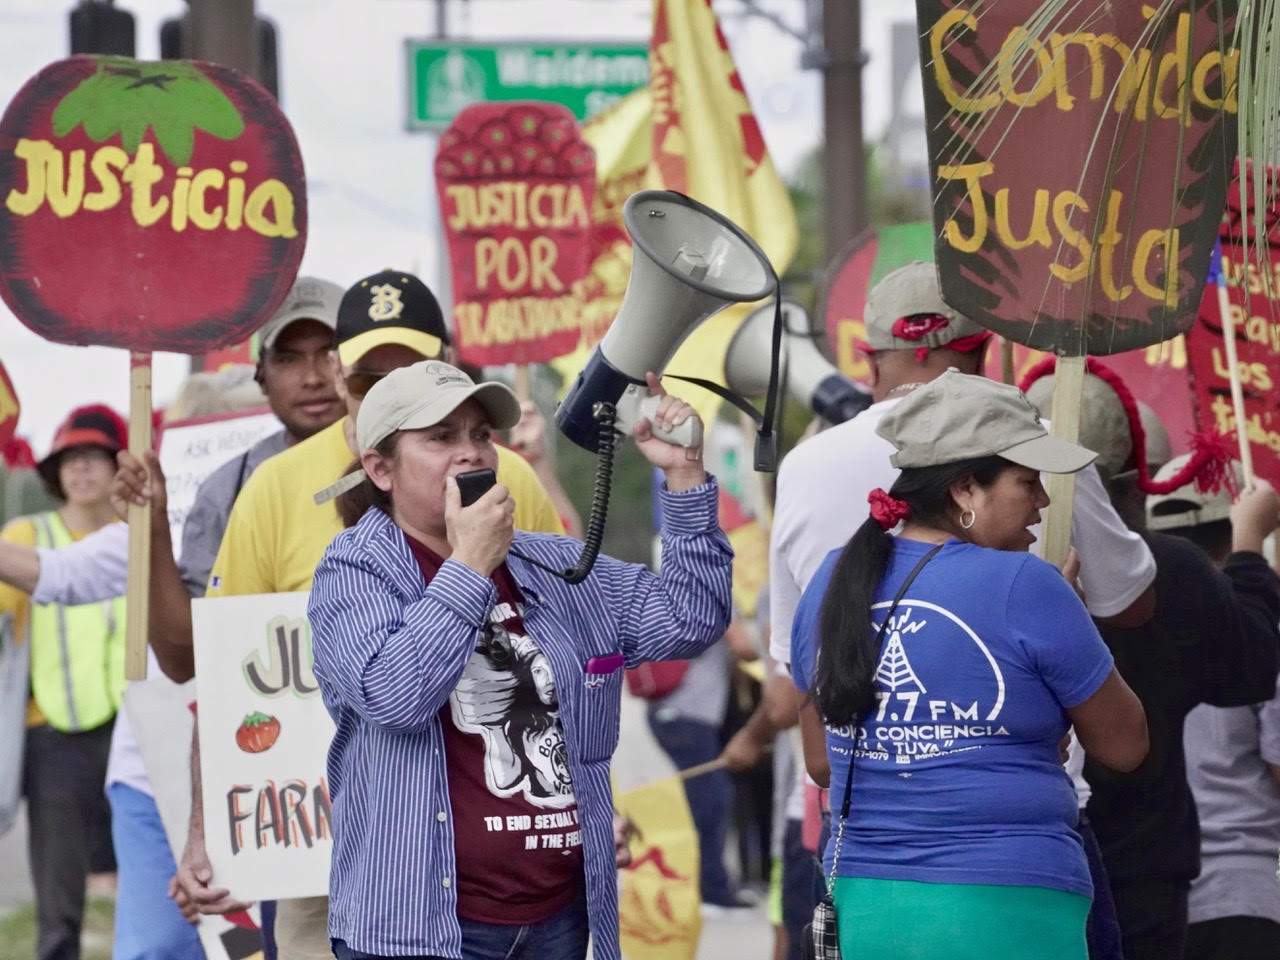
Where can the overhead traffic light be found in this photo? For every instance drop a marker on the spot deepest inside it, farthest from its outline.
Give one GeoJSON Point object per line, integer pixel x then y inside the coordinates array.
{"type": "Point", "coordinates": [99, 26]}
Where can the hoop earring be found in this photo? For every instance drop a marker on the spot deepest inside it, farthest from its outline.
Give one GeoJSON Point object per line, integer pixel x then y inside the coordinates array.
{"type": "Point", "coordinates": [973, 518]}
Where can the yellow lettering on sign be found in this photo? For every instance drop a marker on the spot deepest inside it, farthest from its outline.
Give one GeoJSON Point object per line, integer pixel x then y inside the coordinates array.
{"type": "Point", "coordinates": [1142, 86]}
{"type": "Point", "coordinates": [510, 203]}
{"type": "Point", "coordinates": [1153, 248]}
{"type": "Point", "coordinates": [190, 200]}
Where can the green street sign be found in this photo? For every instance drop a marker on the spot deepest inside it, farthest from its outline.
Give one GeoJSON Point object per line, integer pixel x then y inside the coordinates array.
{"type": "Point", "coordinates": [585, 77]}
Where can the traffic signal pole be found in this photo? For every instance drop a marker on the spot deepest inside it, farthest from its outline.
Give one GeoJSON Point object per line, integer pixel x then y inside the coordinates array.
{"type": "Point", "coordinates": [224, 31]}
{"type": "Point", "coordinates": [844, 154]}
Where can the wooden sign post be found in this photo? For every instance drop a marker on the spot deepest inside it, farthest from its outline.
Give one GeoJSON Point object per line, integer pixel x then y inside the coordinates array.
{"type": "Point", "coordinates": [1078, 176]}
{"type": "Point", "coordinates": [149, 206]}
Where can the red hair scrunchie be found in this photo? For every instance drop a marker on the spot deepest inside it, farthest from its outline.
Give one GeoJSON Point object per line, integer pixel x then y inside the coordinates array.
{"type": "Point", "coordinates": [886, 510]}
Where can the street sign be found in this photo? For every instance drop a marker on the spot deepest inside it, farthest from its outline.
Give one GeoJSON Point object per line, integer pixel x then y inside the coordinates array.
{"type": "Point", "coordinates": [443, 77]}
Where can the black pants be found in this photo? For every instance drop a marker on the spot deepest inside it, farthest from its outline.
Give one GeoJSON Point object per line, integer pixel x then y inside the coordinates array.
{"type": "Point", "coordinates": [1153, 918]}
{"type": "Point", "coordinates": [1234, 938]}
{"type": "Point", "coordinates": [63, 781]}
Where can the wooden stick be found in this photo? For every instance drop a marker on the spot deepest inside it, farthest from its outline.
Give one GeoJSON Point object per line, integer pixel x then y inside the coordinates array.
{"type": "Point", "coordinates": [709, 767]}
{"type": "Point", "coordinates": [523, 387]}
{"type": "Point", "coordinates": [1068, 390]}
{"type": "Point", "coordinates": [1237, 388]}
{"type": "Point", "coordinates": [1006, 361]}
{"type": "Point", "coordinates": [138, 596]}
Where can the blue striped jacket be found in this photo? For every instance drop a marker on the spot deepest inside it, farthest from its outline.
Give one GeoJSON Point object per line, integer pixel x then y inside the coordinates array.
{"type": "Point", "coordinates": [389, 650]}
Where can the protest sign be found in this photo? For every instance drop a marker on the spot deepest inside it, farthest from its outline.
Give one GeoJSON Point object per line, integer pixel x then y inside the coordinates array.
{"type": "Point", "coordinates": [1078, 169]}
{"type": "Point", "coordinates": [264, 739]}
{"type": "Point", "coordinates": [1252, 281]}
{"type": "Point", "coordinates": [192, 449]}
{"type": "Point", "coordinates": [516, 183]}
{"type": "Point", "coordinates": [161, 711]}
{"type": "Point", "coordinates": [858, 268]}
{"type": "Point", "coordinates": [151, 206]}
{"type": "Point", "coordinates": [9, 407]}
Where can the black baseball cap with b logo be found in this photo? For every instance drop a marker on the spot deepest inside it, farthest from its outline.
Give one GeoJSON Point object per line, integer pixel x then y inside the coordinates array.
{"type": "Point", "coordinates": [389, 307]}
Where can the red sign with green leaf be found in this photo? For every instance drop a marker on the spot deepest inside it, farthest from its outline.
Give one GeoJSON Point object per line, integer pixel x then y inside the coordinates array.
{"type": "Point", "coordinates": [153, 206]}
{"type": "Point", "coordinates": [516, 183]}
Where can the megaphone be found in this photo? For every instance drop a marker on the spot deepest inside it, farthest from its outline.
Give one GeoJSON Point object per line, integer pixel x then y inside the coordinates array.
{"type": "Point", "coordinates": [688, 262]}
{"type": "Point", "coordinates": [811, 378]}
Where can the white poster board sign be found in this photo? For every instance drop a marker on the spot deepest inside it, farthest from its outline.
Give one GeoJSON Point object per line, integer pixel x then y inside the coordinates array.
{"type": "Point", "coordinates": [190, 450]}
{"type": "Point", "coordinates": [264, 739]}
{"type": "Point", "coordinates": [159, 710]}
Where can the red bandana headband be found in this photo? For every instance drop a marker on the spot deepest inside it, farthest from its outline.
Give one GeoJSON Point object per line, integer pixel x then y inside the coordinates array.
{"type": "Point", "coordinates": [920, 325]}
{"type": "Point", "coordinates": [1210, 463]}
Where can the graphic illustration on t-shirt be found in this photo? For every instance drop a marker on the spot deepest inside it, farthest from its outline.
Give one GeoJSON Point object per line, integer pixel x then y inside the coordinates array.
{"type": "Point", "coordinates": [939, 690]}
{"type": "Point", "coordinates": [507, 695]}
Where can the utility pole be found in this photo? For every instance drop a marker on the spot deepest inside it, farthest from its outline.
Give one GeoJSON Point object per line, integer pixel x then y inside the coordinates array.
{"type": "Point", "coordinates": [844, 156]}
{"type": "Point", "coordinates": [223, 31]}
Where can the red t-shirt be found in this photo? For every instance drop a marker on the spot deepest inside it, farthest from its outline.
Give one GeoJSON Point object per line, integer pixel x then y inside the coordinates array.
{"type": "Point", "coordinates": [515, 821]}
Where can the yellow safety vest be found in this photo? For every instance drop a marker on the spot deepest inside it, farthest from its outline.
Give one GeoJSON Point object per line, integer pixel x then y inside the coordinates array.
{"type": "Point", "coordinates": [77, 653]}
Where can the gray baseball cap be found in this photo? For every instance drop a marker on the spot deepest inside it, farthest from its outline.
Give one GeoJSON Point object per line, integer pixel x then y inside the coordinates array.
{"type": "Point", "coordinates": [310, 298]}
{"type": "Point", "coordinates": [423, 394]}
{"type": "Point", "coordinates": [1188, 506]}
{"type": "Point", "coordinates": [960, 417]}
{"type": "Point", "coordinates": [903, 294]}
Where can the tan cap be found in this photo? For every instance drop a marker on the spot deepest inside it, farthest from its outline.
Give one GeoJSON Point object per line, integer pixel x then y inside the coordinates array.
{"type": "Point", "coordinates": [961, 417]}
{"type": "Point", "coordinates": [1104, 425]}
{"type": "Point", "coordinates": [310, 298]}
{"type": "Point", "coordinates": [913, 291]}
{"type": "Point", "coordinates": [1188, 506]}
{"type": "Point", "coordinates": [423, 394]}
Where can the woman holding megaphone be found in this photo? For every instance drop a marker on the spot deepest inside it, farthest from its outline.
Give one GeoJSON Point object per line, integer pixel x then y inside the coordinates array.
{"type": "Point", "coordinates": [476, 694]}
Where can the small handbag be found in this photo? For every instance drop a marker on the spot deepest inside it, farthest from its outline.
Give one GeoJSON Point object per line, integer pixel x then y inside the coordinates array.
{"type": "Point", "coordinates": [824, 940]}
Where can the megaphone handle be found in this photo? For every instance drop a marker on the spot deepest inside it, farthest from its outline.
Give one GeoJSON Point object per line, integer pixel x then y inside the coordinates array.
{"type": "Point", "coordinates": [636, 404]}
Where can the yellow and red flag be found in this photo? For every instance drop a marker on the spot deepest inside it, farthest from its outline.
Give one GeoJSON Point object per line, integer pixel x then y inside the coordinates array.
{"type": "Point", "coordinates": [692, 130]}
{"type": "Point", "coordinates": [659, 911]}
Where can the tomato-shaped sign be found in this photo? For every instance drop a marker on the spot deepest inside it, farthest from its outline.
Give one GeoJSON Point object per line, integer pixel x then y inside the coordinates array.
{"type": "Point", "coordinates": [153, 206]}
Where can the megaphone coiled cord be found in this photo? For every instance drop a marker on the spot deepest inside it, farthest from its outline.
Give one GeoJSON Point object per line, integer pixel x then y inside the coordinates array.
{"type": "Point", "coordinates": [606, 415]}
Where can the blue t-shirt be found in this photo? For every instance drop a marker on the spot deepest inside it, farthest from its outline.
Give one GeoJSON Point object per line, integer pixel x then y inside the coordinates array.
{"type": "Point", "coordinates": [958, 777]}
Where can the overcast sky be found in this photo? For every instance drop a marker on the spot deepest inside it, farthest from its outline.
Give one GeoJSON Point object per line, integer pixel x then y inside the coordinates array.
{"type": "Point", "coordinates": [371, 194]}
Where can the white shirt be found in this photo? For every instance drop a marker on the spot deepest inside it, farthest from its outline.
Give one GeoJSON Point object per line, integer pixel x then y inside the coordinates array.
{"type": "Point", "coordinates": [88, 571]}
{"type": "Point", "coordinates": [823, 486]}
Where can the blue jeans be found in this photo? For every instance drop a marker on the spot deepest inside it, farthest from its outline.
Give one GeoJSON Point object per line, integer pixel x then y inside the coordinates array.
{"type": "Point", "coordinates": [688, 743]}
{"type": "Point", "coordinates": [149, 926]}
{"type": "Point", "coordinates": [1102, 930]}
{"type": "Point", "coordinates": [562, 936]}
{"type": "Point", "coordinates": [803, 885]}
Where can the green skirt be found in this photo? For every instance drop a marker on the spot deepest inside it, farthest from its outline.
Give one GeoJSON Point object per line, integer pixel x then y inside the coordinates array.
{"type": "Point", "coordinates": [906, 920]}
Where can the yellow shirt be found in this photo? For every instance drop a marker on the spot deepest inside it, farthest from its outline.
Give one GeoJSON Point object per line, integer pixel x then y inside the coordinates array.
{"type": "Point", "coordinates": [276, 533]}
{"type": "Point", "coordinates": [22, 531]}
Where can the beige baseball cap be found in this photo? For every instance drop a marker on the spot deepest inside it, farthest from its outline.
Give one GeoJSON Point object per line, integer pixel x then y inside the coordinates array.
{"type": "Point", "coordinates": [1188, 506]}
{"type": "Point", "coordinates": [423, 394]}
{"type": "Point", "coordinates": [310, 298]}
{"type": "Point", "coordinates": [898, 305]}
{"type": "Point", "coordinates": [960, 417]}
